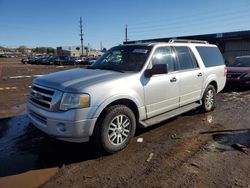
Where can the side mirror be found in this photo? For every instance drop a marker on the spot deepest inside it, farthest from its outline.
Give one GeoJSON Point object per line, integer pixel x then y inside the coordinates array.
{"type": "Point", "coordinates": [156, 69]}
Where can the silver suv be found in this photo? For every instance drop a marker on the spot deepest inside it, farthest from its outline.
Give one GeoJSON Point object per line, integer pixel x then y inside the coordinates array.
{"type": "Point", "coordinates": [129, 86]}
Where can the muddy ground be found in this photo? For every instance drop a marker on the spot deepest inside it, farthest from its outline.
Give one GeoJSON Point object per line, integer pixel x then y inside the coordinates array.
{"type": "Point", "coordinates": [15, 79]}
{"type": "Point", "coordinates": [191, 150]}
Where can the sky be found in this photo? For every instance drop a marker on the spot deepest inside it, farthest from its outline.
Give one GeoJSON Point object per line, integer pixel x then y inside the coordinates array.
{"type": "Point", "coordinates": [52, 23]}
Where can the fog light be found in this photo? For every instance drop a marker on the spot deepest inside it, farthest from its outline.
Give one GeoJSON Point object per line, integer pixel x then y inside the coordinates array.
{"type": "Point", "coordinates": [61, 127]}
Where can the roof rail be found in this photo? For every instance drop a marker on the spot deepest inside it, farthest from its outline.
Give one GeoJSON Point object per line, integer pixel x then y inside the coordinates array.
{"type": "Point", "coordinates": [187, 41]}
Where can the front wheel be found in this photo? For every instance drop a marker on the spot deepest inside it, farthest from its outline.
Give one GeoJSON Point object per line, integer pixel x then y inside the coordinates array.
{"type": "Point", "coordinates": [208, 99]}
{"type": "Point", "coordinates": [116, 128]}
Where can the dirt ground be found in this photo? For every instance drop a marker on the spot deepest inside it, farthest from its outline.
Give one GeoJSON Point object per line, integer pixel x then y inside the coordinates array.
{"type": "Point", "coordinates": [15, 79]}
{"type": "Point", "coordinates": [191, 150]}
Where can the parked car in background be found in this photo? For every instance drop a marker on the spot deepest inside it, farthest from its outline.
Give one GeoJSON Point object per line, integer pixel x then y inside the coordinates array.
{"type": "Point", "coordinates": [78, 60]}
{"type": "Point", "coordinates": [48, 60]}
{"type": "Point", "coordinates": [70, 60]}
{"type": "Point", "coordinates": [238, 74]}
{"type": "Point", "coordinates": [25, 60]}
{"type": "Point", "coordinates": [37, 59]}
{"type": "Point", "coordinates": [57, 60]}
{"type": "Point", "coordinates": [88, 60]}
{"type": "Point", "coordinates": [92, 60]}
{"type": "Point", "coordinates": [8, 55]}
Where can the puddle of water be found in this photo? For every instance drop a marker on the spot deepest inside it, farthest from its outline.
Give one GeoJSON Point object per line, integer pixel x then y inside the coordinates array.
{"type": "Point", "coordinates": [18, 143]}
{"type": "Point", "coordinates": [24, 148]}
{"type": "Point", "coordinates": [30, 179]}
{"type": "Point", "coordinates": [12, 160]}
{"type": "Point", "coordinates": [19, 108]}
{"type": "Point", "coordinates": [216, 147]}
{"type": "Point", "coordinates": [226, 141]}
{"type": "Point", "coordinates": [15, 128]}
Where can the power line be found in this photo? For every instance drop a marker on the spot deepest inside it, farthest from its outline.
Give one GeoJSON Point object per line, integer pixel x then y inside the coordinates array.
{"type": "Point", "coordinates": [193, 13]}
{"type": "Point", "coordinates": [214, 16]}
{"type": "Point", "coordinates": [199, 23]}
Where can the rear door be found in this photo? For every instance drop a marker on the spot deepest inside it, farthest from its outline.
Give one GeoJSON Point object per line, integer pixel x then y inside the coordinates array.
{"type": "Point", "coordinates": [190, 75]}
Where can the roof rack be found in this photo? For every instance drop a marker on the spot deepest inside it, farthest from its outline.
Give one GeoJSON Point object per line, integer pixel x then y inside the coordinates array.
{"type": "Point", "coordinates": [187, 41]}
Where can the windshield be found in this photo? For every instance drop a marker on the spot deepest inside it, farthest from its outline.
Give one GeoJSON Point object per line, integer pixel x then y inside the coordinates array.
{"type": "Point", "coordinates": [241, 62]}
{"type": "Point", "coordinates": [123, 58]}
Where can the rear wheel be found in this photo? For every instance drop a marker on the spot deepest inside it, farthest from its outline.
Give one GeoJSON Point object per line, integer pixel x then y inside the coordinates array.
{"type": "Point", "coordinates": [208, 99]}
{"type": "Point", "coordinates": [115, 129]}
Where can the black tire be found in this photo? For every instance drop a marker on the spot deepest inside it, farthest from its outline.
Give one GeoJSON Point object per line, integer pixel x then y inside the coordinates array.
{"type": "Point", "coordinates": [109, 137]}
{"type": "Point", "coordinates": [208, 99]}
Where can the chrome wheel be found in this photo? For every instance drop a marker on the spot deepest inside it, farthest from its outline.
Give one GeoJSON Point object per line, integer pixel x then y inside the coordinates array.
{"type": "Point", "coordinates": [119, 129]}
{"type": "Point", "coordinates": [209, 99]}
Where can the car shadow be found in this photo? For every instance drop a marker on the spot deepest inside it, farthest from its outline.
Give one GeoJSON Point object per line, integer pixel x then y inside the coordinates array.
{"type": "Point", "coordinates": [229, 89]}
{"type": "Point", "coordinates": [24, 147]}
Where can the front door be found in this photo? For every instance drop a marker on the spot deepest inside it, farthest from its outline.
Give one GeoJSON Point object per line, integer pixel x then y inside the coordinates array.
{"type": "Point", "coordinates": [162, 90]}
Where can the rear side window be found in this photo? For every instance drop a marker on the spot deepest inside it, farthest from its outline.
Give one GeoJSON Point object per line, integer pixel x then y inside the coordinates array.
{"type": "Point", "coordinates": [185, 58]}
{"type": "Point", "coordinates": [211, 56]}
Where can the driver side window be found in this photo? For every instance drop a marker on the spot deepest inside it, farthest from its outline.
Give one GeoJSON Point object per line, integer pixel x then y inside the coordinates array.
{"type": "Point", "coordinates": [164, 55]}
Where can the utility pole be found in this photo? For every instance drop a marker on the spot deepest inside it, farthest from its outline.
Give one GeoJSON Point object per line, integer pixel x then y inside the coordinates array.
{"type": "Point", "coordinates": [126, 33]}
{"type": "Point", "coordinates": [81, 35]}
{"type": "Point", "coordinates": [101, 45]}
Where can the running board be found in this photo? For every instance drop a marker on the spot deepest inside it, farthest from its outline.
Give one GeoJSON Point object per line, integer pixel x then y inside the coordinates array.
{"type": "Point", "coordinates": [170, 114]}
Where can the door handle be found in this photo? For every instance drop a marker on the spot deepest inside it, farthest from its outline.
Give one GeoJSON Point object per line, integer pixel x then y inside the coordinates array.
{"type": "Point", "coordinates": [200, 74]}
{"type": "Point", "coordinates": [173, 79]}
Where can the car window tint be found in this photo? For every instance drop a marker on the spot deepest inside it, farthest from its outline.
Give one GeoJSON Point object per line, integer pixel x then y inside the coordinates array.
{"type": "Point", "coordinates": [164, 55]}
{"type": "Point", "coordinates": [211, 56]}
{"type": "Point", "coordinates": [241, 62]}
{"type": "Point", "coordinates": [185, 58]}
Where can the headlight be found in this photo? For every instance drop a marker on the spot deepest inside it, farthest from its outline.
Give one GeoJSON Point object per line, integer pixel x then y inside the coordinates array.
{"type": "Point", "coordinates": [70, 100]}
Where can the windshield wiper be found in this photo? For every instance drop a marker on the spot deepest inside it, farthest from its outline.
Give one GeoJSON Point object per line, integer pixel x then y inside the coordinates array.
{"type": "Point", "coordinates": [111, 68]}
{"type": "Point", "coordinates": [106, 68]}
{"type": "Point", "coordinates": [89, 67]}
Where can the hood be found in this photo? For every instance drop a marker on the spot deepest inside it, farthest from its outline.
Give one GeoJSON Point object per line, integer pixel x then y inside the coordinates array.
{"type": "Point", "coordinates": [75, 80]}
{"type": "Point", "coordinates": [239, 69]}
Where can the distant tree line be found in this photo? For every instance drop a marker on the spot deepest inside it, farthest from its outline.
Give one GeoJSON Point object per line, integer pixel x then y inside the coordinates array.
{"type": "Point", "coordinates": [40, 50]}
{"type": "Point", "coordinates": [44, 50]}
{"type": "Point", "coordinates": [25, 50]}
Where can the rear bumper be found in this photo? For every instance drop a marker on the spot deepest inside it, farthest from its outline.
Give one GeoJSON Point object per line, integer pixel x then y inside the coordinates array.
{"type": "Point", "coordinates": [237, 82]}
{"type": "Point", "coordinates": [58, 125]}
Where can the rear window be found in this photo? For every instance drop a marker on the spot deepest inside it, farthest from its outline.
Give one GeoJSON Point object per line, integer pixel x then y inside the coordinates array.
{"type": "Point", "coordinates": [211, 56]}
{"type": "Point", "coordinates": [186, 58]}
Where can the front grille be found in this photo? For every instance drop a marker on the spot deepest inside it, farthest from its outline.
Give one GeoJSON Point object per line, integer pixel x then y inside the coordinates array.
{"type": "Point", "coordinates": [38, 117]}
{"type": "Point", "coordinates": [234, 74]}
{"type": "Point", "coordinates": [45, 98]}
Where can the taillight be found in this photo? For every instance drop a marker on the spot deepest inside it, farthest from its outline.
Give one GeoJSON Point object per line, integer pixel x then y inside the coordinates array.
{"type": "Point", "coordinates": [225, 71]}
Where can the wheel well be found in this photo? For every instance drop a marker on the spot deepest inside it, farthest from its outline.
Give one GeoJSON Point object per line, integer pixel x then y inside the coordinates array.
{"type": "Point", "coordinates": [214, 83]}
{"type": "Point", "coordinates": [126, 102]}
